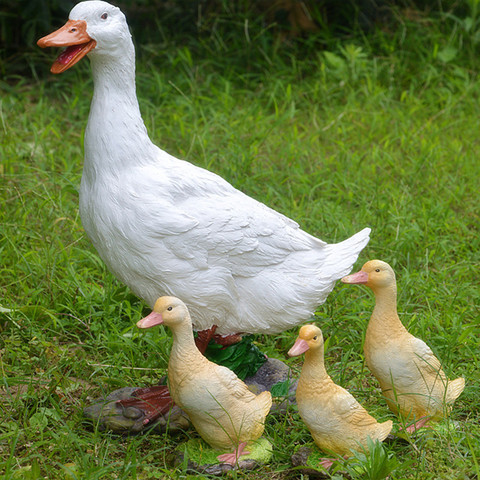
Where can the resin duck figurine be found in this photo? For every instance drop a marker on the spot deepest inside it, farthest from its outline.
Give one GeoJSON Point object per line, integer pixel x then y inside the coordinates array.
{"type": "Point", "coordinates": [337, 422]}
{"type": "Point", "coordinates": [411, 377]}
{"type": "Point", "coordinates": [166, 227]}
{"type": "Point", "coordinates": [225, 413]}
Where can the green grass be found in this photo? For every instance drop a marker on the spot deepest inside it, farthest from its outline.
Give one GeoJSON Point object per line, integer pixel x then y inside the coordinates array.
{"type": "Point", "coordinates": [376, 130]}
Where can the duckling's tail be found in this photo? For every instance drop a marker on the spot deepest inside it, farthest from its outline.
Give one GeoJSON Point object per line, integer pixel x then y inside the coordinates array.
{"type": "Point", "coordinates": [383, 429]}
{"type": "Point", "coordinates": [264, 402]}
{"type": "Point", "coordinates": [454, 389]}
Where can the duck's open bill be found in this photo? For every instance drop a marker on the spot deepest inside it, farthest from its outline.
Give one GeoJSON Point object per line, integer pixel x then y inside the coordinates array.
{"type": "Point", "coordinates": [73, 35]}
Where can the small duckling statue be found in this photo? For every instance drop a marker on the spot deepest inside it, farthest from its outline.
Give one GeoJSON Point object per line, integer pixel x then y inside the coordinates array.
{"type": "Point", "coordinates": [225, 413]}
{"type": "Point", "coordinates": [409, 374]}
{"type": "Point", "coordinates": [337, 422]}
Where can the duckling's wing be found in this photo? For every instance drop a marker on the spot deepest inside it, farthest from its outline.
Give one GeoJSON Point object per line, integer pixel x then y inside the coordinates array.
{"type": "Point", "coordinates": [348, 408]}
{"type": "Point", "coordinates": [427, 361]}
{"type": "Point", "coordinates": [231, 383]}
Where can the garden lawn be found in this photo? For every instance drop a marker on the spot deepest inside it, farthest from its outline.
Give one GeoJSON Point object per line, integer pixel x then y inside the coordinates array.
{"type": "Point", "coordinates": [378, 129]}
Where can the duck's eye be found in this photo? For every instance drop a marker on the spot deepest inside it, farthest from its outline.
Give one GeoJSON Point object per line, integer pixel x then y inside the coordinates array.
{"type": "Point", "coordinates": [104, 16]}
{"type": "Point", "coordinates": [377, 270]}
{"type": "Point", "coordinates": [315, 337]}
{"type": "Point", "coordinates": [170, 309]}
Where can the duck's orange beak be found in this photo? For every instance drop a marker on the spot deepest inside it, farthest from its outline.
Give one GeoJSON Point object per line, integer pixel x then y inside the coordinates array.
{"type": "Point", "coordinates": [72, 35]}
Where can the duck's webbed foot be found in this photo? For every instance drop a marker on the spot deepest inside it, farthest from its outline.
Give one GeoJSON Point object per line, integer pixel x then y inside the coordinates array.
{"type": "Point", "coordinates": [153, 401]}
{"type": "Point", "coordinates": [232, 458]}
{"type": "Point", "coordinates": [131, 410]}
{"type": "Point", "coordinates": [203, 338]}
{"type": "Point", "coordinates": [422, 423]}
{"type": "Point", "coordinates": [326, 463]}
{"type": "Point", "coordinates": [227, 340]}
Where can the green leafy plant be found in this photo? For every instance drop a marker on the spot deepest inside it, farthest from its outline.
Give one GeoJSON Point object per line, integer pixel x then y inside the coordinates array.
{"type": "Point", "coordinates": [374, 463]}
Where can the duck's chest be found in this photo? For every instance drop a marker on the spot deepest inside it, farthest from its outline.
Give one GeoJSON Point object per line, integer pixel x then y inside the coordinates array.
{"type": "Point", "coordinates": [102, 211]}
{"type": "Point", "coordinates": [192, 387]}
{"type": "Point", "coordinates": [125, 227]}
{"type": "Point", "coordinates": [112, 217]}
{"type": "Point", "coordinates": [316, 406]}
{"type": "Point", "coordinates": [389, 358]}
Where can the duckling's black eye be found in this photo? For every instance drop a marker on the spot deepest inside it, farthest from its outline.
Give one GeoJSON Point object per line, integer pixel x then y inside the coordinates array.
{"type": "Point", "coordinates": [104, 16]}
{"type": "Point", "coordinates": [377, 269]}
{"type": "Point", "coordinates": [170, 309]}
{"type": "Point", "coordinates": [315, 337]}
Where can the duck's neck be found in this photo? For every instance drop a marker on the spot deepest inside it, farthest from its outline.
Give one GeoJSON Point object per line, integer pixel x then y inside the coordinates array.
{"type": "Point", "coordinates": [115, 136]}
{"type": "Point", "coordinates": [384, 317]}
{"type": "Point", "coordinates": [114, 78]}
{"type": "Point", "coordinates": [313, 369]}
{"type": "Point", "coordinates": [184, 348]}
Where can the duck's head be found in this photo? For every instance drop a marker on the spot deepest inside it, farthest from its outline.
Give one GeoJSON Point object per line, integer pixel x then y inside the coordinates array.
{"type": "Point", "coordinates": [167, 310]}
{"type": "Point", "coordinates": [94, 27]}
{"type": "Point", "coordinates": [374, 274]}
{"type": "Point", "coordinates": [309, 338]}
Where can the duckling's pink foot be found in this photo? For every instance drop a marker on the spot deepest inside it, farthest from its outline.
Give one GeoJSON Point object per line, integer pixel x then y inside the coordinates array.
{"type": "Point", "coordinates": [326, 463]}
{"type": "Point", "coordinates": [422, 423]}
{"type": "Point", "coordinates": [232, 458]}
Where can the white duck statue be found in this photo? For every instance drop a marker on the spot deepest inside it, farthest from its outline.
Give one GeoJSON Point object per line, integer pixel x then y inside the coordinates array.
{"type": "Point", "coordinates": [166, 227]}
{"type": "Point", "coordinates": [225, 413]}
{"type": "Point", "coordinates": [410, 375]}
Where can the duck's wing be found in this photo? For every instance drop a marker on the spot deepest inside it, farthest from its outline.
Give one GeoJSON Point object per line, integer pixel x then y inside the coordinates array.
{"type": "Point", "coordinates": [231, 384]}
{"type": "Point", "coordinates": [351, 412]}
{"type": "Point", "coordinates": [220, 220]}
{"type": "Point", "coordinates": [425, 360]}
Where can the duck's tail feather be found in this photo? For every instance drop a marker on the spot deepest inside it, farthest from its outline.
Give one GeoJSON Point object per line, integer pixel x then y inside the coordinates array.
{"type": "Point", "coordinates": [454, 389]}
{"type": "Point", "coordinates": [341, 256]}
{"type": "Point", "coordinates": [383, 430]}
{"type": "Point", "coordinates": [264, 400]}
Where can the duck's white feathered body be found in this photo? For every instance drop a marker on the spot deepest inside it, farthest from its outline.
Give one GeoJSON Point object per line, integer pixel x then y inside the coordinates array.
{"type": "Point", "coordinates": [166, 227]}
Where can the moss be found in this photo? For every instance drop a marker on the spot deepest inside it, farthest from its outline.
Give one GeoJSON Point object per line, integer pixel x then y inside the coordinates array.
{"type": "Point", "coordinates": [201, 453]}
{"type": "Point", "coordinates": [315, 456]}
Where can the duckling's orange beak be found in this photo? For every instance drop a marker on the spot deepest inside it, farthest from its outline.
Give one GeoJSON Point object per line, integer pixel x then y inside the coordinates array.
{"type": "Point", "coordinates": [299, 347]}
{"type": "Point", "coordinates": [74, 36]}
{"type": "Point", "coordinates": [150, 320]}
{"type": "Point", "coordinates": [356, 278]}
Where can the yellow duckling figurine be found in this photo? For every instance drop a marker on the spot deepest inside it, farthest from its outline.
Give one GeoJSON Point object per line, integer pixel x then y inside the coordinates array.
{"type": "Point", "coordinates": [409, 374]}
{"type": "Point", "coordinates": [225, 413]}
{"type": "Point", "coordinates": [337, 422]}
